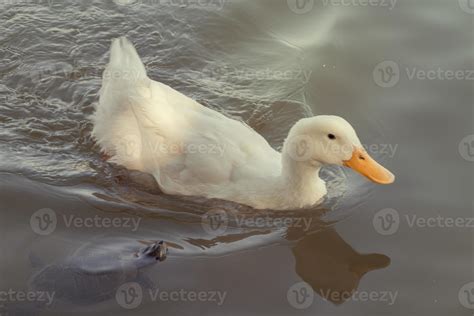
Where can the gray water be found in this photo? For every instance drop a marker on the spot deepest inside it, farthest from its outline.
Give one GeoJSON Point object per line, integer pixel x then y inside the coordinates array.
{"type": "Point", "coordinates": [401, 72]}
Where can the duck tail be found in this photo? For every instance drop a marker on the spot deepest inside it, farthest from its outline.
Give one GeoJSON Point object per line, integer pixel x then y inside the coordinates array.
{"type": "Point", "coordinates": [125, 65]}
{"type": "Point", "coordinates": [125, 77]}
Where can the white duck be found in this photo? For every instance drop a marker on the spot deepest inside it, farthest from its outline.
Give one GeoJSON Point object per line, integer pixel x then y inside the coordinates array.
{"type": "Point", "coordinates": [192, 150]}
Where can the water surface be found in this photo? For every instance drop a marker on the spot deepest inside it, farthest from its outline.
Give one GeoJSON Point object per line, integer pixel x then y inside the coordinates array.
{"type": "Point", "coordinates": [269, 64]}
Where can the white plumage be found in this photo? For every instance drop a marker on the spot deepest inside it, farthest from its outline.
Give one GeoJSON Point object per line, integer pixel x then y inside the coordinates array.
{"type": "Point", "coordinates": [192, 150]}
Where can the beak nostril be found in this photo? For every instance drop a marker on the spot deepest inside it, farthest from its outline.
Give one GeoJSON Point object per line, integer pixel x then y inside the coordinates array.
{"type": "Point", "coordinates": [361, 157]}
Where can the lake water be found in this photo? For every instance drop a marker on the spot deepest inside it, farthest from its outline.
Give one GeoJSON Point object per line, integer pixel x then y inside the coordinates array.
{"type": "Point", "coordinates": [401, 72]}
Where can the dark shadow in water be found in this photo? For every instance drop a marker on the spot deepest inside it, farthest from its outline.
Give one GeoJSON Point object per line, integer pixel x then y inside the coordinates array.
{"type": "Point", "coordinates": [331, 266]}
{"type": "Point", "coordinates": [324, 259]}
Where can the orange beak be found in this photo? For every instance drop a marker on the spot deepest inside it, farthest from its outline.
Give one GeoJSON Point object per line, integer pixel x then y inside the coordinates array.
{"type": "Point", "coordinates": [368, 167]}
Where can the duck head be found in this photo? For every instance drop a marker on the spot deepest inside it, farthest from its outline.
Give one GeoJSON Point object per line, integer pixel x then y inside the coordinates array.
{"type": "Point", "coordinates": [331, 140]}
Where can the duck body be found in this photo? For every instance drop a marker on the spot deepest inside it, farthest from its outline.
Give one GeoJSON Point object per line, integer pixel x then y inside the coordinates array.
{"type": "Point", "coordinates": [148, 126]}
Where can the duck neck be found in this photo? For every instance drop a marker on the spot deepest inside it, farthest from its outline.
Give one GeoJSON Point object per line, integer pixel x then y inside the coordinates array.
{"type": "Point", "coordinates": [301, 179]}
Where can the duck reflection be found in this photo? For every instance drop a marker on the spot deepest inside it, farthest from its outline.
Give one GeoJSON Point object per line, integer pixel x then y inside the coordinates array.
{"type": "Point", "coordinates": [331, 266]}
{"type": "Point", "coordinates": [323, 258]}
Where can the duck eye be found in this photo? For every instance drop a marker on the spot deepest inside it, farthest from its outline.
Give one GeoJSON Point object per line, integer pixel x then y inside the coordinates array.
{"type": "Point", "coordinates": [332, 136]}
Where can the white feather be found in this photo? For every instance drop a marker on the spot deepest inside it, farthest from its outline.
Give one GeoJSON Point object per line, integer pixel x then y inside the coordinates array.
{"type": "Point", "coordinates": [192, 150]}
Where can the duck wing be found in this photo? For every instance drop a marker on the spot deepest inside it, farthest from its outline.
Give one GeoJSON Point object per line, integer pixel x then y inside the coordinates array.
{"type": "Point", "coordinates": [189, 149]}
